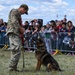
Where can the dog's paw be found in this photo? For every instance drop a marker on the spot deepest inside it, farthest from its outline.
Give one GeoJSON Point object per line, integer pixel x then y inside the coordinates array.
{"type": "Point", "coordinates": [48, 70]}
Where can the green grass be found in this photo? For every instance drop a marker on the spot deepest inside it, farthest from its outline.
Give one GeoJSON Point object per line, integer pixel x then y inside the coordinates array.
{"type": "Point", "coordinates": [67, 63]}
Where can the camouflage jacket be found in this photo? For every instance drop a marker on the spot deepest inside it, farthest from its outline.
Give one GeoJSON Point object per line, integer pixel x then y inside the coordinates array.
{"type": "Point", "coordinates": [14, 22]}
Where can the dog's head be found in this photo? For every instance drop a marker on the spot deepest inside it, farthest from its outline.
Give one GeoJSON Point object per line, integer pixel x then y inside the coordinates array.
{"type": "Point", "coordinates": [37, 37]}
{"type": "Point", "coordinates": [39, 42]}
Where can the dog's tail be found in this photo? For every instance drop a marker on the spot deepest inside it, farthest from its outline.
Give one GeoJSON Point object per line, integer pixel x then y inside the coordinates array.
{"type": "Point", "coordinates": [60, 70]}
{"type": "Point", "coordinates": [51, 67]}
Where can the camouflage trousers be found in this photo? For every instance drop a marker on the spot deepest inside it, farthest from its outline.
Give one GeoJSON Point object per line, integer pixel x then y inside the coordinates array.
{"type": "Point", "coordinates": [15, 47]}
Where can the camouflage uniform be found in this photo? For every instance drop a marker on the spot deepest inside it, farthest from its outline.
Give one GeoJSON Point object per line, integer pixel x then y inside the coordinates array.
{"type": "Point", "coordinates": [14, 37]}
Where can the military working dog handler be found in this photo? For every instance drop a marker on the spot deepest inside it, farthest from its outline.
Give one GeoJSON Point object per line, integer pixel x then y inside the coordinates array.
{"type": "Point", "coordinates": [14, 29]}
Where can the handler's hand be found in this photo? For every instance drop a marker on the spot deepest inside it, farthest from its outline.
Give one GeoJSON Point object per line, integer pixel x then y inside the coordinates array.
{"type": "Point", "coordinates": [21, 30]}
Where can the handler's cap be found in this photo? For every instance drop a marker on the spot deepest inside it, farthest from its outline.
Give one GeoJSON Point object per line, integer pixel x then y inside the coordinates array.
{"type": "Point", "coordinates": [25, 7]}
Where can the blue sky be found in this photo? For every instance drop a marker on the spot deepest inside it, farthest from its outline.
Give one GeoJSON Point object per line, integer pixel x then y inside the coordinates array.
{"type": "Point", "coordinates": [40, 9]}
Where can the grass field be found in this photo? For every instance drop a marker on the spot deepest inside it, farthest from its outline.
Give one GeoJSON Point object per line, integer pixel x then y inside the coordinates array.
{"type": "Point", "coordinates": [67, 63]}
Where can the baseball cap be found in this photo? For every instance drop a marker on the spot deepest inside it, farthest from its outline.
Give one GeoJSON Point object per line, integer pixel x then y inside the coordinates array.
{"type": "Point", "coordinates": [25, 7]}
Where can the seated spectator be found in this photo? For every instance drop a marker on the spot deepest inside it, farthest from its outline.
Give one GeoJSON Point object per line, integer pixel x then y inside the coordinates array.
{"type": "Point", "coordinates": [66, 42]}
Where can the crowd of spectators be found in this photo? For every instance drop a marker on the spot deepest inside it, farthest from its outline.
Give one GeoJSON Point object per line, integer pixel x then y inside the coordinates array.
{"type": "Point", "coordinates": [57, 34]}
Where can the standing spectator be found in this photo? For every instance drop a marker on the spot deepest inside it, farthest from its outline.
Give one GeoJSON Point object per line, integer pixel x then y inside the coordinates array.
{"type": "Point", "coordinates": [53, 34]}
{"type": "Point", "coordinates": [2, 32]}
{"type": "Point", "coordinates": [27, 37]}
{"type": "Point", "coordinates": [70, 33]}
{"type": "Point", "coordinates": [14, 30]}
{"type": "Point", "coordinates": [1, 23]}
{"type": "Point", "coordinates": [34, 33]}
{"type": "Point", "coordinates": [48, 38]}
{"type": "Point", "coordinates": [42, 32]}
{"type": "Point", "coordinates": [62, 34]}
{"type": "Point", "coordinates": [70, 29]}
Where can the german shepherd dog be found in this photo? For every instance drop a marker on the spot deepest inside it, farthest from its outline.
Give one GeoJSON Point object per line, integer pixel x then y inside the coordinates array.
{"type": "Point", "coordinates": [42, 56]}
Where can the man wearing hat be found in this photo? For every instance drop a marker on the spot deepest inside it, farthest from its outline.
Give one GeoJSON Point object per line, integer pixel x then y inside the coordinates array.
{"type": "Point", "coordinates": [14, 30]}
